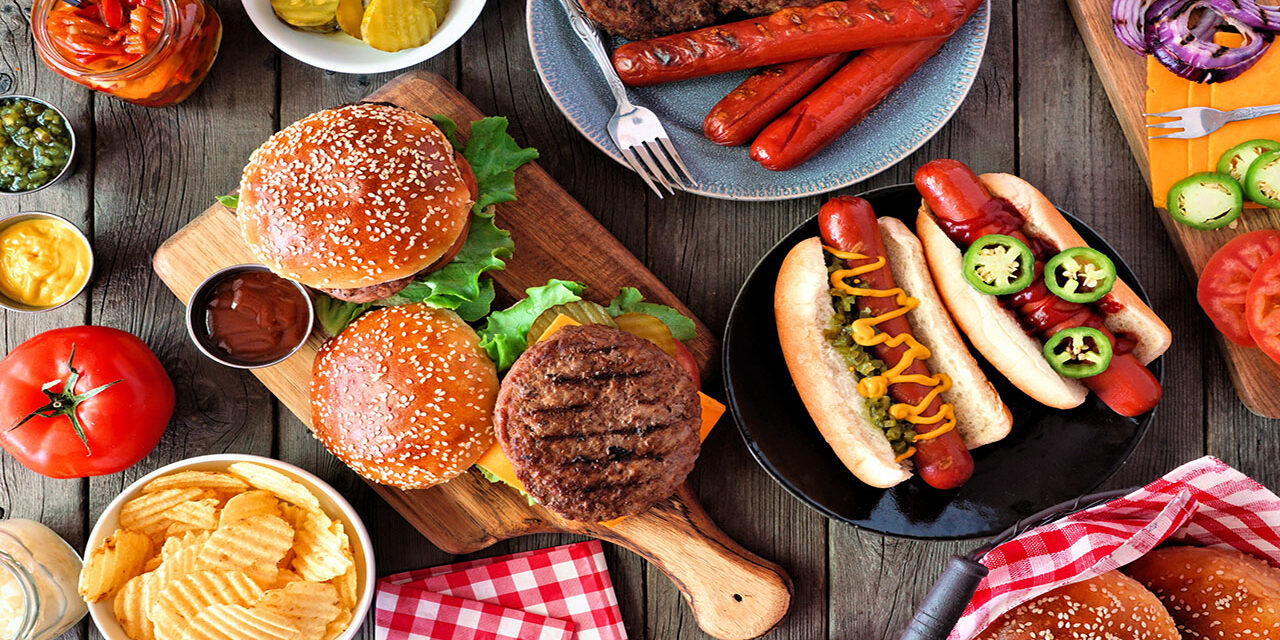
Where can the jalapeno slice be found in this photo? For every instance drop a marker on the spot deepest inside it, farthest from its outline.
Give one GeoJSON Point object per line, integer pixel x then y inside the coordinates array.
{"type": "Point", "coordinates": [1235, 161]}
{"type": "Point", "coordinates": [1206, 200]}
{"type": "Point", "coordinates": [1078, 352]}
{"type": "Point", "coordinates": [1262, 183]}
{"type": "Point", "coordinates": [998, 265]}
{"type": "Point", "coordinates": [1080, 274]}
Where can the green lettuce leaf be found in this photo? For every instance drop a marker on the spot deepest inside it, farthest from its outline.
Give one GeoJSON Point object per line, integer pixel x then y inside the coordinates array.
{"type": "Point", "coordinates": [457, 285]}
{"type": "Point", "coordinates": [630, 300]}
{"type": "Point", "coordinates": [504, 335]}
{"type": "Point", "coordinates": [334, 314]}
{"type": "Point", "coordinates": [230, 202]}
{"type": "Point", "coordinates": [494, 156]}
{"type": "Point", "coordinates": [496, 480]}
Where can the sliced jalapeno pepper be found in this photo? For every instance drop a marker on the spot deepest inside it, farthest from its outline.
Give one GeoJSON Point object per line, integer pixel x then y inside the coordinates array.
{"type": "Point", "coordinates": [1206, 201]}
{"type": "Point", "coordinates": [1078, 352]}
{"type": "Point", "coordinates": [999, 265]}
{"type": "Point", "coordinates": [1080, 274]}
{"type": "Point", "coordinates": [1236, 160]}
{"type": "Point", "coordinates": [1263, 180]}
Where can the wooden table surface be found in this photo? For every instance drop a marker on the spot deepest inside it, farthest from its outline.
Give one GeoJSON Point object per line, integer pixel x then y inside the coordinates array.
{"type": "Point", "coordinates": [1037, 110]}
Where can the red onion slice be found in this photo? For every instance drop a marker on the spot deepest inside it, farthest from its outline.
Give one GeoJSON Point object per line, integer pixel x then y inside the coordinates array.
{"type": "Point", "coordinates": [1191, 52]}
{"type": "Point", "coordinates": [1250, 13]}
{"type": "Point", "coordinates": [1127, 20]}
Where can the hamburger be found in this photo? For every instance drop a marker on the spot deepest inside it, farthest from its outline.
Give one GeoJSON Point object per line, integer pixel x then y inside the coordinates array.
{"type": "Point", "coordinates": [375, 205]}
{"type": "Point", "coordinates": [355, 200]}
{"type": "Point", "coordinates": [1213, 593]}
{"type": "Point", "coordinates": [404, 396]}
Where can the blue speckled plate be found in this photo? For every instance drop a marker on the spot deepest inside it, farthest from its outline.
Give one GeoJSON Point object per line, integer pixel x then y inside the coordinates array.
{"type": "Point", "coordinates": [899, 126]}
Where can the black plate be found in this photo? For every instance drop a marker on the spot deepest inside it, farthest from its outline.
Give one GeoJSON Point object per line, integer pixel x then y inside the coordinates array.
{"type": "Point", "coordinates": [1051, 456]}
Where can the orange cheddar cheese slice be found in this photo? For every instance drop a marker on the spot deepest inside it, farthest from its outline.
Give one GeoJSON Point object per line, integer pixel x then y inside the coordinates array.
{"type": "Point", "coordinates": [1172, 160]}
{"type": "Point", "coordinates": [496, 462]}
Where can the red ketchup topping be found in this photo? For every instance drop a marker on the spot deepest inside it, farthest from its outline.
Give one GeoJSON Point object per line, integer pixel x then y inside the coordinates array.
{"type": "Point", "coordinates": [256, 316]}
{"type": "Point", "coordinates": [1042, 313]}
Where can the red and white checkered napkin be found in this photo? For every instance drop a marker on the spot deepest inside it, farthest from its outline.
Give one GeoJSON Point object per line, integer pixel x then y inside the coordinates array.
{"type": "Point", "coordinates": [561, 593]}
{"type": "Point", "coordinates": [1204, 502]}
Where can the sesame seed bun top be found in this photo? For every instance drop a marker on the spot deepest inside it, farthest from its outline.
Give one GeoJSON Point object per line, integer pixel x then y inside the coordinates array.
{"type": "Point", "coordinates": [352, 197]}
{"type": "Point", "coordinates": [405, 396]}
{"type": "Point", "coordinates": [1213, 594]}
{"type": "Point", "coordinates": [1111, 606]}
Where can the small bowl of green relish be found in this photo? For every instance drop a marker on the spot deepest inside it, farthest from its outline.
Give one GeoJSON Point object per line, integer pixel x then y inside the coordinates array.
{"type": "Point", "coordinates": [36, 144]}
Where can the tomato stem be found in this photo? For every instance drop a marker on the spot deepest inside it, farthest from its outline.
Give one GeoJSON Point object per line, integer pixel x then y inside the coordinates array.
{"type": "Point", "coordinates": [66, 401]}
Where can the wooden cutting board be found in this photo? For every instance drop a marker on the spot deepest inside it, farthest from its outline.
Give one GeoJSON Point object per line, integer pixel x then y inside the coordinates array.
{"type": "Point", "coordinates": [1124, 75]}
{"type": "Point", "coordinates": [732, 592]}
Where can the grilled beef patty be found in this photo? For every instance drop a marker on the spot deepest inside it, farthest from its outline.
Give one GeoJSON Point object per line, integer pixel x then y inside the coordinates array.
{"type": "Point", "coordinates": [598, 423]}
{"type": "Point", "coordinates": [640, 19]}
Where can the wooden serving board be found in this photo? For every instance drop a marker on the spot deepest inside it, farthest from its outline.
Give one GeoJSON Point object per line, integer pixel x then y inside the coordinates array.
{"type": "Point", "coordinates": [1124, 75]}
{"type": "Point", "coordinates": [732, 592]}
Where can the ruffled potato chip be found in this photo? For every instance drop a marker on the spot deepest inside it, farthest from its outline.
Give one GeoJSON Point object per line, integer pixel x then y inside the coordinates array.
{"type": "Point", "coordinates": [121, 557]}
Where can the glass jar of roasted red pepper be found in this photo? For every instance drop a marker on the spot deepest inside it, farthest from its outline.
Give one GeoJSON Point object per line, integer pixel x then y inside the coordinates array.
{"type": "Point", "coordinates": [148, 52]}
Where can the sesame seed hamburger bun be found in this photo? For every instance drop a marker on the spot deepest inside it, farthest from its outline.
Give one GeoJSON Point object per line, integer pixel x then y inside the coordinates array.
{"type": "Point", "coordinates": [1213, 593]}
{"type": "Point", "coordinates": [1111, 606]}
{"type": "Point", "coordinates": [405, 396]}
{"type": "Point", "coordinates": [354, 197]}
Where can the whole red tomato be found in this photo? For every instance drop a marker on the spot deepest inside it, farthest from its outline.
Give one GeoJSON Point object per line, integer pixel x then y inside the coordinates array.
{"type": "Point", "coordinates": [82, 401]}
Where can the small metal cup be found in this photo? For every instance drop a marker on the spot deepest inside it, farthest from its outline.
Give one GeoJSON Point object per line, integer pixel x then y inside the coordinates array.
{"type": "Point", "coordinates": [199, 330]}
{"type": "Point", "coordinates": [71, 157]}
{"type": "Point", "coordinates": [12, 219]}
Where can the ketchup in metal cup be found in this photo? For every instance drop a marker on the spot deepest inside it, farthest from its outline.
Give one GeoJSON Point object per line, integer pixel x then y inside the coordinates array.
{"type": "Point", "coordinates": [148, 52]}
{"type": "Point", "coordinates": [256, 316]}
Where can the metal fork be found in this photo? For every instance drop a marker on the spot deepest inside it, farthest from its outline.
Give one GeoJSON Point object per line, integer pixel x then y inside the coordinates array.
{"type": "Point", "coordinates": [636, 130]}
{"type": "Point", "coordinates": [1197, 122]}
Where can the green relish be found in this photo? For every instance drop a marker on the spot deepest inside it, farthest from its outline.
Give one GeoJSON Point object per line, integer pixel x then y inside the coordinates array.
{"type": "Point", "coordinates": [864, 365]}
{"type": "Point", "coordinates": [35, 144]}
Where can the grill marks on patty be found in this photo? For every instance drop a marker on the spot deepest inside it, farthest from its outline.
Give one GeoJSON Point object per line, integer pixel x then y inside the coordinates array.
{"type": "Point", "coordinates": [640, 19]}
{"type": "Point", "coordinates": [598, 423]}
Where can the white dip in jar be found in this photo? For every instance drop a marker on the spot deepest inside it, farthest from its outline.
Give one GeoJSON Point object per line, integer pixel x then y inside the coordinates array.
{"type": "Point", "coordinates": [39, 575]}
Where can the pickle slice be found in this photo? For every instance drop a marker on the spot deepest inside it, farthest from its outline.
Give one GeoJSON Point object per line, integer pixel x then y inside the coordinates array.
{"type": "Point", "coordinates": [350, 15]}
{"type": "Point", "coordinates": [584, 311]}
{"type": "Point", "coordinates": [650, 328]}
{"type": "Point", "coordinates": [308, 15]}
{"type": "Point", "coordinates": [395, 25]}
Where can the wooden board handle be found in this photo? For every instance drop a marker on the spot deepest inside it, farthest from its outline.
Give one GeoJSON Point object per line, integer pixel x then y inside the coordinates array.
{"type": "Point", "coordinates": [734, 594]}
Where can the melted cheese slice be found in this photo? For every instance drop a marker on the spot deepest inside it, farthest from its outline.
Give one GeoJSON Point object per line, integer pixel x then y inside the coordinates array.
{"type": "Point", "coordinates": [1172, 160]}
{"type": "Point", "coordinates": [496, 462]}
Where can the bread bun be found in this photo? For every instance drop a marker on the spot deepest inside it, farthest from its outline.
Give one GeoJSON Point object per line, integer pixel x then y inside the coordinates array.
{"type": "Point", "coordinates": [802, 305]}
{"type": "Point", "coordinates": [353, 196]}
{"type": "Point", "coordinates": [1043, 220]}
{"type": "Point", "coordinates": [803, 308]}
{"type": "Point", "coordinates": [982, 417]}
{"type": "Point", "coordinates": [992, 329]}
{"type": "Point", "coordinates": [1213, 593]}
{"type": "Point", "coordinates": [405, 396]}
{"type": "Point", "coordinates": [1111, 606]}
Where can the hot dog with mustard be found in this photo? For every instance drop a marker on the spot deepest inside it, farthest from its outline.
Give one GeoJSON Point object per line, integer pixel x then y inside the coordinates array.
{"type": "Point", "coordinates": [881, 369]}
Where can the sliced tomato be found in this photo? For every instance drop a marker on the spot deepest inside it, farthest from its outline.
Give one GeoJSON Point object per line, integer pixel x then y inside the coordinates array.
{"type": "Point", "coordinates": [1226, 278]}
{"type": "Point", "coordinates": [1262, 307]}
{"type": "Point", "coordinates": [685, 359]}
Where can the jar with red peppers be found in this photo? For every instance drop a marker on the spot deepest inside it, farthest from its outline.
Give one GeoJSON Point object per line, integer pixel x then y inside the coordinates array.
{"type": "Point", "coordinates": [148, 52]}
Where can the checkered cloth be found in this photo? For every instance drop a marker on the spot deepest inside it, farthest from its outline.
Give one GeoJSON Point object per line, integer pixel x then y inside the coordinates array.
{"type": "Point", "coordinates": [1204, 502]}
{"type": "Point", "coordinates": [553, 594]}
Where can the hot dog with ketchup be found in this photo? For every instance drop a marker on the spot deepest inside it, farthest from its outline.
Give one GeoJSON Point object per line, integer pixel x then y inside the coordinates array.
{"type": "Point", "coordinates": [1052, 339]}
{"type": "Point", "coordinates": [881, 369]}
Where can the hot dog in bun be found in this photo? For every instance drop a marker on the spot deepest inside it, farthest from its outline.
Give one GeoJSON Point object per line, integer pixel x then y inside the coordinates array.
{"type": "Point", "coordinates": [1040, 306]}
{"type": "Point", "coordinates": [880, 367]}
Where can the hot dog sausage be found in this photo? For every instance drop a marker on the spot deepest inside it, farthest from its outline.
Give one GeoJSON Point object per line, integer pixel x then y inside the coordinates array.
{"type": "Point", "coordinates": [966, 211]}
{"type": "Point", "coordinates": [764, 95]}
{"type": "Point", "coordinates": [838, 104]}
{"type": "Point", "coordinates": [791, 34]}
{"type": "Point", "coordinates": [849, 224]}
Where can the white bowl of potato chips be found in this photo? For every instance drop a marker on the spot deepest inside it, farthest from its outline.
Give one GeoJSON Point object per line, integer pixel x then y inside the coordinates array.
{"type": "Point", "coordinates": [337, 51]}
{"type": "Point", "coordinates": [228, 547]}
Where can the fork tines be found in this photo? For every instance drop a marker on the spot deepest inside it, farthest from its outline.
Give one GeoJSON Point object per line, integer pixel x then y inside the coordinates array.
{"type": "Point", "coordinates": [656, 161]}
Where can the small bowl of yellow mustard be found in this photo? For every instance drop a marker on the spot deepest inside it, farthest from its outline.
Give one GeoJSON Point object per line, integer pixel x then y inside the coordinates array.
{"type": "Point", "coordinates": [45, 261]}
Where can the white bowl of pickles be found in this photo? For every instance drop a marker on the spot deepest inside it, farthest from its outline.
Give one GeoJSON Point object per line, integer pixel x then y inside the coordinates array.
{"type": "Point", "coordinates": [363, 36]}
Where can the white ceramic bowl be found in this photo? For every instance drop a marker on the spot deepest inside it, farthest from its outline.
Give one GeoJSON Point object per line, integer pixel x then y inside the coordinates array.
{"type": "Point", "coordinates": [330, 500]}
{"type": "Point", "coordinates": [344, 54]}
